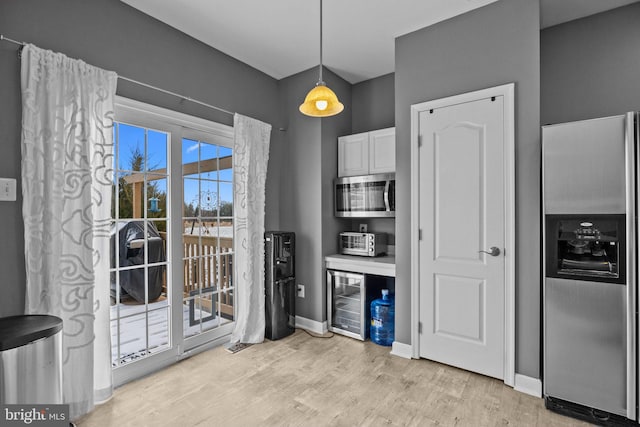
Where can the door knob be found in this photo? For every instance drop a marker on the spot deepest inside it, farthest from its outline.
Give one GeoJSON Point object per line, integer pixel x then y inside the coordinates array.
{"type": "Point", "coordinates": [494, 251]}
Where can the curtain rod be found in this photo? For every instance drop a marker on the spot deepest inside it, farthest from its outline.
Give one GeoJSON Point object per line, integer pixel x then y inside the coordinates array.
{"type": "Point", "coordinates": [168, 92]}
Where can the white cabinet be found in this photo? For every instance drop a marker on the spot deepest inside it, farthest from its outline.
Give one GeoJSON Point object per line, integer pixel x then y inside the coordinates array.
{"type": "Point", "coordinates": [353, 155]}
{"type": "Point", "coordinates": [367, 153]}
{"type": "Point", "coordinates": [382, 151]}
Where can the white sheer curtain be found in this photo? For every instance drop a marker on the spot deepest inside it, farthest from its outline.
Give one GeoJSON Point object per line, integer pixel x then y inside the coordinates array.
{"type": "Point", "coordinates": [250, 158]}
{"type": "Point", "coordinates": [67, 155]}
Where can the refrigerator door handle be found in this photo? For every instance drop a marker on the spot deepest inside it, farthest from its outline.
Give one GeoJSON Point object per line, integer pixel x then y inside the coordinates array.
{"type": "Point", "coordinates": [631, 172]}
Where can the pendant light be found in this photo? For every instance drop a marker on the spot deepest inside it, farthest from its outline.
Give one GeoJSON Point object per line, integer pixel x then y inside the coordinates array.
{"type": "Point", "coordinates": [321, 101]}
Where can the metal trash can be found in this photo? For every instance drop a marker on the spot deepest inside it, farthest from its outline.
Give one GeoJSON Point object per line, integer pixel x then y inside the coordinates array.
{"type": "Point", "coordinates": [31, 360]}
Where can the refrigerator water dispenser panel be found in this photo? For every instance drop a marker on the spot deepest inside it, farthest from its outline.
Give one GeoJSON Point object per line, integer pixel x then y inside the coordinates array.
{"type": "Point", "coordinates": [581, 247]}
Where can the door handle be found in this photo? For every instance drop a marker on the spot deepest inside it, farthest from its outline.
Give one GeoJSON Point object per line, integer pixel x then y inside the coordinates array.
{"type": "Point", "coordinates": [494, 251]}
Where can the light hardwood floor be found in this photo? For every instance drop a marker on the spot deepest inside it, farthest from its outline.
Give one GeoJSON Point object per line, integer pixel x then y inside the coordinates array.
{"type": "Point", "coordinates": [306, 381]}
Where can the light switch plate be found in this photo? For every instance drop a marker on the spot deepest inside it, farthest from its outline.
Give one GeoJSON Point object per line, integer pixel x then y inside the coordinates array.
{"type": "Point", "coordinates": [8, 189]}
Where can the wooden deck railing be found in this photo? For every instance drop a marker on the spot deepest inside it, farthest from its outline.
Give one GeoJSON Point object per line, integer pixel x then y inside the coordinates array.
{"type": "Point", "coordinates": [209, 267]}
{"type": "Point", "coordinates": [204, 268]}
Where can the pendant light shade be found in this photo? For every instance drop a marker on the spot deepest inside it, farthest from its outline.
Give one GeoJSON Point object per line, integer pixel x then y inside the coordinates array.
{"type": "Point", "coordinates": [321, 101]}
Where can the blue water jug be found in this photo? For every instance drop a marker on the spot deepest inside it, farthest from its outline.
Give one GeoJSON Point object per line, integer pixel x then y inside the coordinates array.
{"type": "Point", "coordinates": [383, 319]}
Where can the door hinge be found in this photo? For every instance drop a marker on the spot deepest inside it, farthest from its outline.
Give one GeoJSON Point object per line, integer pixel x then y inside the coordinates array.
{"type": "Point", "coordinates": [420, 140]}
{"type": "Point", "coordinates": [419, 327]}
{"type": "Point", "coordinates": [420, 234]}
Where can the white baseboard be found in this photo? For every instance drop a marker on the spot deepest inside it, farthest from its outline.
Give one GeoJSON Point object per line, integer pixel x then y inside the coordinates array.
{"type": "Point", "coordinates": [311, 325]}
{"type": "Point", "coordinates": [401, 350]}
{"type": "Point", "coordinates": [528, 385]}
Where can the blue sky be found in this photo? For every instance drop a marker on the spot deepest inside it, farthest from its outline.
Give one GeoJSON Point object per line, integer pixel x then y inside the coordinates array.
{"type": "Point", "coordinates": [211, 184]}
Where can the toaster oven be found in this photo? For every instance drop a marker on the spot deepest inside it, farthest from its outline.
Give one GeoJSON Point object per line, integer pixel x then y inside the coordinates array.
{"type": "Point", "coordinates": [363, 244]}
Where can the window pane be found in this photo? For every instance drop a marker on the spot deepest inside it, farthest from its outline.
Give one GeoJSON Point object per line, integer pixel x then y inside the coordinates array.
{"type": "Point", "coordinates": [158, 328]}
{"type": "Point", "coordinates": [208, 315]}
{"type": "Point", "coordinates": [161, 226]}
{"type": "Point", "coordinates": [208, 161]}
{"type": "Point", "coordinates": [190, 190]}
{"type": "Point", "coordinates": [156, 196]}
{"type": "Point", "coordinates": [226, 171]}
{"type": "Point", "coordinates": [157, 151]}
{"type": "Point", "coordinates": [127, 231]}
{"type": "Point", "coordinates": [209, 278]}
{"type": "Point", "coordinates": [225, 233]}
{"type": "Point", "coordinates": [130, 195]}
{"type": "Point", "coordinates": [130, 147]}
{"type": "Point", "coordinates": [225, 261]}
{"type": "Point", "coordinates": [190, 152]}
{"type": "Point", "coordinates": [226, 199]}
{"type": "Point", "coordinates": [225, 307]}
{"type": "Point", "coordinates": [131, 336]}
{"type": "Point", "coordinates": [208, 198]}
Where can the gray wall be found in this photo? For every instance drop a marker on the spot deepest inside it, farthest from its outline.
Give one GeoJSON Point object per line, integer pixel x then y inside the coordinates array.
{"type": "Point", "coordinates": [112, 35]}
{"type": "Point", "coordinates": [591, 67]}
{"type": "Point", "coordinates": [374, 104]}
{"type": "Point", "coordinates": [374, 108]}
{"type": "Point", "coordinates": [332, 127]}
{"type": "Point", "coordinates": [490, 46]}
{"type": "Point", "coordinates": [308, 171]}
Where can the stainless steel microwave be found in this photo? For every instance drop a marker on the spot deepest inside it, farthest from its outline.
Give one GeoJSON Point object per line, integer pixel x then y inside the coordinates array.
{"type": "Point", "coordinates": [366, 196]}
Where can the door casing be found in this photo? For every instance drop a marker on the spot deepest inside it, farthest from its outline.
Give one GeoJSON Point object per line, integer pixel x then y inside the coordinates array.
{"type": "Point", "coordinates": [507, 91]}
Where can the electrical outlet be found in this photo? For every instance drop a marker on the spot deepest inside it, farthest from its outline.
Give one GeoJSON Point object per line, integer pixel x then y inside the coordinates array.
{"type": "Point", "coordinates": [300, 290]}
{"type": "Point", "coordinates": [363, 228]}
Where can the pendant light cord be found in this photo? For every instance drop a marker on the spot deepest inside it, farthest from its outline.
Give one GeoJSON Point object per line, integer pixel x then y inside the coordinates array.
{"type": "Point", "coordinates": [320, 80]}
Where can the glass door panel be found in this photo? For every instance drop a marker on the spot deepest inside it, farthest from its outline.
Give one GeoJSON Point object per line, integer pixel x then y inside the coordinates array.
{"type": "Point", "coordinates": [140, 307]}
{"type": "Point", "coordinates": [207, 238]}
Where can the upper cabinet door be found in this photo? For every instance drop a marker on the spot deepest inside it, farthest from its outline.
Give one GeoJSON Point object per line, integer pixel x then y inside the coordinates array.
{"type": "Point", "coordinates": [353, 155]}
{"type": "Point", "coordinates": [382, 151]}
{"type": "Point", "coordinates": [367, 153]}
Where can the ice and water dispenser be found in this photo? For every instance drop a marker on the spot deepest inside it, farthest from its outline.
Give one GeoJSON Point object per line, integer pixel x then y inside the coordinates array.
{"type": "Point", "coordinates": [586, 247]}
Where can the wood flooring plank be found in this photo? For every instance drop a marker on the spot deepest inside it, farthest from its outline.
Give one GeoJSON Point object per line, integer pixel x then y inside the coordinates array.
{"type": "Point", "coordinates": [307, 381]}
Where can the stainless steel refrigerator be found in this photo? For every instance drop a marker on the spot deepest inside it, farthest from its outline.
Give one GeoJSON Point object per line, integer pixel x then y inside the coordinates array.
{"type": "Point", "coordinates": [590, 183]}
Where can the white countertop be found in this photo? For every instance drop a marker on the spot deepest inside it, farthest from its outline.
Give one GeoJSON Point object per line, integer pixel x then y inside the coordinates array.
{"type": "Point", "coordinates": [380, 265]}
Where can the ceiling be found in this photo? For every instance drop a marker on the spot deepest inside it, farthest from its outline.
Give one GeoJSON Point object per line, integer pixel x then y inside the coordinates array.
{"type": "Point", "coordinates": [281, 37]}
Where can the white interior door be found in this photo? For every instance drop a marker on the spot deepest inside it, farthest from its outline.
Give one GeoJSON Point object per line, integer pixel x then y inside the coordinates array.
{"type": "Point", "coordinates": [462, 214]}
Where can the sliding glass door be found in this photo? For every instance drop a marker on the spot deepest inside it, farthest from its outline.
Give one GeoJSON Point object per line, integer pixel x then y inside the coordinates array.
{"type": "Point", "coordinates": [207, 238]}
{"type": "Point", "coordinates": [171, 237]}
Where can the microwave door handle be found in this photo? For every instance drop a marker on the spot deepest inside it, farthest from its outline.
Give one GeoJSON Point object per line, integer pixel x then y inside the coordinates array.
{"type": "Point", "coordinates": [386, 195]}
{"type": "Point", "coordinates": [346, 202]}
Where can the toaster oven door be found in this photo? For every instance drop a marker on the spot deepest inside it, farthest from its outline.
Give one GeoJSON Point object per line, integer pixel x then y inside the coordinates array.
{"type": "Point", "coordinates": [354, 244]}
